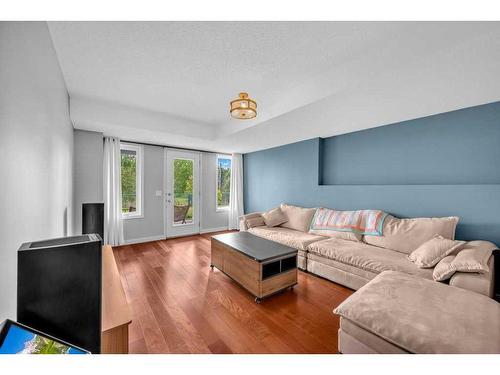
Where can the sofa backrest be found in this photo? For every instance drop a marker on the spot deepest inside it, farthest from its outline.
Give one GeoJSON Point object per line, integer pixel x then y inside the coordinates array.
{"type": "Point", "coordinates": [405, 235]}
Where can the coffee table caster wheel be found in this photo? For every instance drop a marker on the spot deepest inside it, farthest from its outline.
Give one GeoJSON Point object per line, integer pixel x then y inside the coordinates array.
{"type": "Point", "coordinates": [257, 300]}
{"type": "Point", "coordinates": [212, 267]}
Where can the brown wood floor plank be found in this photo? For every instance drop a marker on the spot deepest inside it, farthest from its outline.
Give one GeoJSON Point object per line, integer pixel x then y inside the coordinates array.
{"type": "Point", "coordinates": [179, 305]}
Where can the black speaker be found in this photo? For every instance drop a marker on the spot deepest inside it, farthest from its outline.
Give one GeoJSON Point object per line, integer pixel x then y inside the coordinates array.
{"type": "Point", "coordinates": [59, 288]}
{"type": "Point", "coordinates": [93, 218]}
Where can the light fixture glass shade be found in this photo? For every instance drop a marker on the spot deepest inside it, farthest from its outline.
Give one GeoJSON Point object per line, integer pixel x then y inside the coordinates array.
{"type": "Point", "coordinates": [243, 108]}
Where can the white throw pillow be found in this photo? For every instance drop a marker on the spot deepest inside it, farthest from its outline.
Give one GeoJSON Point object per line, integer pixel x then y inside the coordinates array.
{"type": "Point", "coordinates": [431, 252]}
{"type": "Point", "coordinates": [298, 218]}
{"type": "Point", "coordinates": [274, 217]}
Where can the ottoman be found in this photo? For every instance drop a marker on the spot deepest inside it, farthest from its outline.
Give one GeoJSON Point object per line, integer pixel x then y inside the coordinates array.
{"type": "Point", "coordinates": [400, 313]}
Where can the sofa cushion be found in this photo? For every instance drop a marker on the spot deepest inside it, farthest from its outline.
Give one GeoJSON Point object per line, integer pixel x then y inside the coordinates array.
{"type": "Point", "coordinates": [431, 252]}
{"type": "Point", "coordinates": [349, 236]}
{"type": "Point", "coordinates": [274, 217]}
{"type": "Point", "coordinates": [483, 283]}
{"type": "Point", "coordinates": [443, 270]}
{"type": "Point", "coordinates": [422, 316]}
{"type": "Point", "coordinates": [289, 237]}
{"type": "Point", "coordinates": [405, 235]}
{"type": "Point", "coordinates": [365, 274]}
{"type": "Point", "coordinates": [298, 218]}
{"type": "Point", "coordinates": [366, 257]}
{"type": "Point", "coordinates": [474, 257]}
{"type": "Point", "coordinates": [255, 222]}
{"type": "Point", "coordinates": [371, 343]}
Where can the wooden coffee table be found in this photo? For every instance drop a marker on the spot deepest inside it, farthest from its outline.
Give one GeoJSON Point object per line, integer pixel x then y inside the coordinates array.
{"type": "Point", "coordinates": [260, 266]}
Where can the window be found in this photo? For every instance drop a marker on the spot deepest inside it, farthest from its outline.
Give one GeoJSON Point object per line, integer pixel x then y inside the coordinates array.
{"type": "Point", "coordinates": [131, 170]}
{"type": "Point", "coordinates": [223, 181]}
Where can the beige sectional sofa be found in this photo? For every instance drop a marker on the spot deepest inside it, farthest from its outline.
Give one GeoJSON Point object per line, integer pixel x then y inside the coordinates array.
{"type": "Point", "coordinates": [355, 263]}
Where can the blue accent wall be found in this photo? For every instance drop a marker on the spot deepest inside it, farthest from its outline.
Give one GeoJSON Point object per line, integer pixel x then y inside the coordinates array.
{"type": "Point", "coordinates": [442, 165]}
{"type": "Point", "coordinates": [458, 147]}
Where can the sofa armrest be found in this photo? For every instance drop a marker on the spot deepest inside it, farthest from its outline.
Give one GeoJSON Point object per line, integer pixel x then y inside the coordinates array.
{"type": "Point", "coordinates": [243, 220]}
{"type": "Point", "coordinates": [482, 283]}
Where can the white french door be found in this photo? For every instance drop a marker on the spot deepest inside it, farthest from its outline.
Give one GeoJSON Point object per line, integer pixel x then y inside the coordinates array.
{"type": "Point", "coordinates": [182, 193]}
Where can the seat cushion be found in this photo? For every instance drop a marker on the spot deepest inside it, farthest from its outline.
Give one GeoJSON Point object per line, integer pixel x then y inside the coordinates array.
{"type": "Point", "coordinates": [367, 257]}
{"type": "Point", "coordinates": [365, 274]}
{"type": "Point", "coordinates": [423, 316]}
{"type": "Point", "coordinates": [289, 237]}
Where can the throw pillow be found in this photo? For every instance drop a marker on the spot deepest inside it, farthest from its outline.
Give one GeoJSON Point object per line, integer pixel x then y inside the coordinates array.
{"type": "Point", "coordinates": [255, 222]}
{"type": "Point", "coordinates": [472, 260]}
{"type": "Point", "coordinates": [431, 252]}
{"type": "Point", "coordinates": [298, 218]}
{"type": "Point", "coordinates": [274, 217]}
{"type": "Point", "coordinates": [443, 270]}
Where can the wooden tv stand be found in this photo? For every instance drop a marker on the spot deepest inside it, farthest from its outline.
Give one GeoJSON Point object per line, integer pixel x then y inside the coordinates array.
{"type": "Point", "coordinates": [116, 315]}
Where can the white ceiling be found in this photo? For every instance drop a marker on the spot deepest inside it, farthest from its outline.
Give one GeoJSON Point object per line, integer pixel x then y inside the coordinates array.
{"type": "Point", "coordinates": [171, 82]}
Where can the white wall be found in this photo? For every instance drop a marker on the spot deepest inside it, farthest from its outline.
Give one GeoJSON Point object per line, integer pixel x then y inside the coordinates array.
{"type": "Point", "coordinates": [88, 183]}
{"type": "Point", "coordinates": [211, 219]}
{"type": "Point", "coordinates": [36, 139]}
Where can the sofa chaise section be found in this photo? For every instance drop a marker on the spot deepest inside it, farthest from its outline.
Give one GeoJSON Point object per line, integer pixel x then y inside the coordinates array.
{"type": "Point", "coordinates": [401, 313]}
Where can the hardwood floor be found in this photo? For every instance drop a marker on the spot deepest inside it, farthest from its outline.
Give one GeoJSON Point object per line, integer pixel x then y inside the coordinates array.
{"type": "Point", "coordinates": [179, 305]}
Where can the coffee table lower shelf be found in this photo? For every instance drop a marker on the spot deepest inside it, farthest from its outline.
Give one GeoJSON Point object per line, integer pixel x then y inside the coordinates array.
{"type": "Point", "coordinates": [261, 279]}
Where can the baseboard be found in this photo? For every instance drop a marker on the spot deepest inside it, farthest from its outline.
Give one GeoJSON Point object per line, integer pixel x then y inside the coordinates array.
{"type": "Point", "coordinates": [144, 239]}
{"type": "Point", "coordinates": [202, 231]}
{"type": "Point", "coordinates": [162, 237]}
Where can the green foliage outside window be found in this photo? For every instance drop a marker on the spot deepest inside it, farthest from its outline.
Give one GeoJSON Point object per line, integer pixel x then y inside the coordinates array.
{"type": "Point", "coordinates": [129, 183]}
{"type": "Point", "coordinates": [183, 185]}
{"type": "Point", "coordinates": [223, 182]}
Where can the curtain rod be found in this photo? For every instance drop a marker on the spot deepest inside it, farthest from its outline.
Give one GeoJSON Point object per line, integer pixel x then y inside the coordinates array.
{"type": "Point", "coordinates": [174, 147]}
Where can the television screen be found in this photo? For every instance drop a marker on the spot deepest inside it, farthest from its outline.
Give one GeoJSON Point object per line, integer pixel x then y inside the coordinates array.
{"type": "Point", "coordinates": [18, 339]}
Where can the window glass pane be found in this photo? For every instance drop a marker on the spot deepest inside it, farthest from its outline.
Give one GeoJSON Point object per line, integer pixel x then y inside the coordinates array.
{"type": "Point", "coordinates": [223, 181]}
{"type": "Point", "coordinates": [129, 180]}
{"type": "Point", "coordinates": [183, 191]}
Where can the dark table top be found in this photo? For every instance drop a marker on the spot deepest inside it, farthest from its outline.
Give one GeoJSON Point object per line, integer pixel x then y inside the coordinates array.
{"type": "Point", "coordinates": [259, 249]}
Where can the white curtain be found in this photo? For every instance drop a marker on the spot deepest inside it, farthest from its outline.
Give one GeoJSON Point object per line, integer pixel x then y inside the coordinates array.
{"type": "Point", "coordinates": [236, 191]}
{"type": "Point", "coordinates": [113, 222]}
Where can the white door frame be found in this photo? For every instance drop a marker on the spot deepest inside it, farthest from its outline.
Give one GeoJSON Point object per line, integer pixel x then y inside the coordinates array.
{"type": "Point", "coordinates": [181, 229]}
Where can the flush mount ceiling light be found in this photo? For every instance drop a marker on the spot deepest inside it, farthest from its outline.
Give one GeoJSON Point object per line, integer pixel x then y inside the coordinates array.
{"type": "Point", "coordinates": [243, 108]}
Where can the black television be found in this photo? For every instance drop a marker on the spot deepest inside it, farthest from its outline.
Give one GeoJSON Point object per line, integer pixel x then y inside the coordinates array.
{"type": "Point", "coordinates": [16, 338]}
{"type": "Point", "coordinates": [59, 288]}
